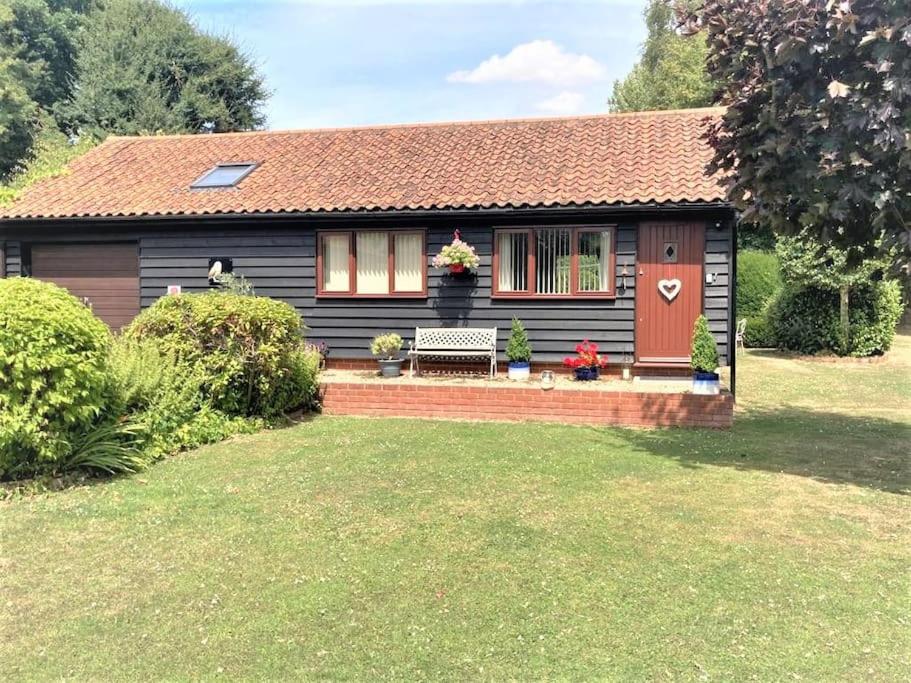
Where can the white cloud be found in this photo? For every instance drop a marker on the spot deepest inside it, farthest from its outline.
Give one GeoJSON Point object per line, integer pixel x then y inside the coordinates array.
{"type": "Point", "coordinates": [565, 102]}
{"type": "Point", "coordinates": [540, 61]}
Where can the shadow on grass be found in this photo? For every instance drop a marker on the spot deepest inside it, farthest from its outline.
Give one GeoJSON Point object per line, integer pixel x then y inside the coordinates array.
{"type": "Point", "coordinates": [828, 447]}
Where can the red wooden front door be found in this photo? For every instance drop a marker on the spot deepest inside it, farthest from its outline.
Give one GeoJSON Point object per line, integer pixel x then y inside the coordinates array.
{"type": "Point", "coordinates": [668, 290]}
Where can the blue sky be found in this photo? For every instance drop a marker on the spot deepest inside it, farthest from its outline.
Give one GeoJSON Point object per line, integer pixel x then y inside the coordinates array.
{"type": "Point", "coordinates": [354, 62]}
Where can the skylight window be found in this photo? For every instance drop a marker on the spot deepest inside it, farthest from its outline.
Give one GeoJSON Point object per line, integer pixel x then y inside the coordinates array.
{"type": "Point", "coordinates": [224, 175]}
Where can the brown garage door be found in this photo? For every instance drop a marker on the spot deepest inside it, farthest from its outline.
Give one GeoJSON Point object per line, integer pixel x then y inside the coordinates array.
{"type": "Point", "coordinates": [106, 275]}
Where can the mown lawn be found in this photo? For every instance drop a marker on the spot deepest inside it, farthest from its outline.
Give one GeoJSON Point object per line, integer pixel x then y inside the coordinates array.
{"type": "Point", "coordinates": [387, 549]}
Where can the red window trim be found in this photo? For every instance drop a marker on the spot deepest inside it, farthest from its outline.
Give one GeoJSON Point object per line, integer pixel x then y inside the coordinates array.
{"type": "Point", "coordinates": [351, 292]}
{"type": "Point", "coordinates": [575, 293]}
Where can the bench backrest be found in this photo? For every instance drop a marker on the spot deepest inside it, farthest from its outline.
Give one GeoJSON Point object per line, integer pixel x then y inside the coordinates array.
{"type": "Point", "coordinates": [455, 338]}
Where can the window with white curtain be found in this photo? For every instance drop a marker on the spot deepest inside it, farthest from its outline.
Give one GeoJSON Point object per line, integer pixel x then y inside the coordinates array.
{"type": "Point", "coordinates": [554, 261]}
{"type": "Point", "coordinates": [336, 277]}
{"type": "Point", "coordinates": [372, 263]}
{"type": "Point", "coordinates": [409, 262]}
{"type": "Point", "coordinates": [512, 273]}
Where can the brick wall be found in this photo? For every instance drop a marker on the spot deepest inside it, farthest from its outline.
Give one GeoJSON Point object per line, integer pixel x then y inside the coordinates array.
{"type": "Point", "coordinates": [527, 403]}
{"type": "Point", "coordinates": [480, 369]}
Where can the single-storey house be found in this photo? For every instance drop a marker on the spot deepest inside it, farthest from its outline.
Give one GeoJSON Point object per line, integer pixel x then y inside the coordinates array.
{"type": "Point", "coordinates": [602, 227]}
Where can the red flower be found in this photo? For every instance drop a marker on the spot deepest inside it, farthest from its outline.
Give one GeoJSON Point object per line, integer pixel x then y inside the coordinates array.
{"type": "Point", "coordinates": [587, 357]}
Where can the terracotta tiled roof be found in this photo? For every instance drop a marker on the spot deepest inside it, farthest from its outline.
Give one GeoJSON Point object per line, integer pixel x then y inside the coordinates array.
{"type": "Point", "coordinates": [592, 160]}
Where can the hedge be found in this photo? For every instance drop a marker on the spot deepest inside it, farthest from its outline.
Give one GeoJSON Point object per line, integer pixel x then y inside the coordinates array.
{"type": "Point", "coordinates": [807, 319]}
{"type": "Point", "coordinates": [758, 281]}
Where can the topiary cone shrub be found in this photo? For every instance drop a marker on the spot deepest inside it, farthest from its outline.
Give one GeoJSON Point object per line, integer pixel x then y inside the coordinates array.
{"type": "Point", "coordinates": [249, 350]}
{"type": "Point", "coordinates": [518, 350]}
{"type": "Point", "coordinates": [704, 351]}
{"type": "Point", "coordinates": [53, 378]}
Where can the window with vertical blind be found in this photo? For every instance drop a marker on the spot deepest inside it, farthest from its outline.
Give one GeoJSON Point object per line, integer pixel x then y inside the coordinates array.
{"type": "Point", "coordinates": [371, 263]}
{"type": "Point", "coordinates": [554, 262]}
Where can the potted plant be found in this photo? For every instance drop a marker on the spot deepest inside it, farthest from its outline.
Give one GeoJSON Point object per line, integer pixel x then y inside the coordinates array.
{"type": "Point", "coordinates": [704, 359]}
{"type": "Point", "coordinates": [587, 363]}
{"type": "Point", "coordinates": [386, 348]}
{"type": "Point", "coordinates": [518, 353]}
{"type": "Point", "coordinates": [458, 256]}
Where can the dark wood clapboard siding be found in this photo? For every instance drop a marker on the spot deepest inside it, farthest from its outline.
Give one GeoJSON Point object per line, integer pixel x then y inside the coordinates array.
{"type": "Point", "coordinates": [719, 251]}
{"type": "Point", "coordinates": [105, 275]}
{"type": "Point", "coordinates": [283, 265]}
{"type": "Point", "coordinates": [280, 258]}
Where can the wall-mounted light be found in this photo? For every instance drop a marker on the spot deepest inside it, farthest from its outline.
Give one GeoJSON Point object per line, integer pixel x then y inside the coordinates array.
{"type": "Point", "coordinates": [624, 273]}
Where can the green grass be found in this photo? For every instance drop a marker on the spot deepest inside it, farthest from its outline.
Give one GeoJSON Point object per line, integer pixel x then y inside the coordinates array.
{"type": "Point", "coordinates": [396, 549]}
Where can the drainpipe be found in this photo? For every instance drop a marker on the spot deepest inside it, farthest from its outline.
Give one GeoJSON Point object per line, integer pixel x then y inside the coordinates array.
{"type": "Point", "coordinates": [732, 313]}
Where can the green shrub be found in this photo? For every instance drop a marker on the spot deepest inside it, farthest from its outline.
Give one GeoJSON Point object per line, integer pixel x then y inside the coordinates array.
{"type": "Point", "coordinates": [53, 380]}
{"type": "Point", "coordinates": [758, 281]}
{"type": "Point", "coordinates": [806, 319]}
{"type": "Point", "coordinates": [246, 349]}
{"type": "Point", "coordinates": [111, 448]}
{"type": "Point", "coordinates": [704, 350]}
{"type": "Point", "coordinates": [518, 349]}
{"type": "Point", "coordinates": [165, 400]}
{"type": "Point", "coordinates": [386, 346]}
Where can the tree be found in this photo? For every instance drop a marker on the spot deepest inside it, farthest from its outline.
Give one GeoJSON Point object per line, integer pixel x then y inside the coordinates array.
{"type": "Point", "coordinates": [815, 138]}
{"type": "Point", "coordinates": [143, 67]}
{"type": "Point", "coordinates": [671, 71]}
{"type": "Point", "coordinates": [37, 49]}
{"type": "Point", "coordinates": [805, 263]}
{"type": "Point", "coordinates": [51, 151]}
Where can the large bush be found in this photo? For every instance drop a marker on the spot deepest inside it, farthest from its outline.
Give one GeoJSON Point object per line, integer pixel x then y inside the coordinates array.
{"type": "Point", "coordinates": [53, 381]}
{"type": "Point", "coordinates": [806, 319]}
{"type": "Point", "coordinates": [758, 280]}
{"type": "Point", "coordinates": [249, 351]}
{"type": "Point", "coordinates": [164, 399]}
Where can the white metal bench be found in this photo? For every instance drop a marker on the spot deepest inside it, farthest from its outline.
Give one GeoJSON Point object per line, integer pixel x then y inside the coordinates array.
{"type": "Point", "coordinates": [457, 343]}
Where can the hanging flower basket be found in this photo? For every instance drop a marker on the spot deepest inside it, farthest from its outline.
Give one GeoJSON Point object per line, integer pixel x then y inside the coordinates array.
{"type": "Point", "coordinates": [458, 257]}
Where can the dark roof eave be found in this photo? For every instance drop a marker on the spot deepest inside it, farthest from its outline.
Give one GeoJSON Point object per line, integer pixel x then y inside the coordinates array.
{"type": "Point", "coordinates": [586, 209]}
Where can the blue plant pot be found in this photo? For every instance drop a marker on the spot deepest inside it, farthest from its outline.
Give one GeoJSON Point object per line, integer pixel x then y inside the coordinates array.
{"type": "Point", "coordinates": [519, 370]}
{"type": "Point", "coordinates": [706, 383]}
{"type": "Point", "coordinates": [586, 374]}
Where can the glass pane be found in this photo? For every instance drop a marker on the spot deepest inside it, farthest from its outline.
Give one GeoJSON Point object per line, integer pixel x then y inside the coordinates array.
{"type": "Point", "coordinates": [552, 260]}
{"type": "Point", "coordinates": [512, 274]}
{"type": "Point", "coordinates": [223, 176]}
{"type": "Point", "coordinates": [336, 277]}
{"type": "Point", "coordinates": [409, 259]}
{"type": "Point", "coordinates": [372, 263]}
{"type": "Point", "coordinates": [594, 261]}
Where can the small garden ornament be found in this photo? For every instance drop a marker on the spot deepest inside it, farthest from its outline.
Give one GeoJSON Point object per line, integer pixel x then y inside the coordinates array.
{"type": "Point", "coordinates": [518, 352]}
{"type": "Point", "coordinates": [704, 359]}
{"type": "Point", "coordinates": [386, 348]}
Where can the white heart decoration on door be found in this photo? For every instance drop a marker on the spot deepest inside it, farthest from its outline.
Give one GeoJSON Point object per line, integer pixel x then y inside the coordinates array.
{"type": "Point", "coordinates": [669, 288]}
